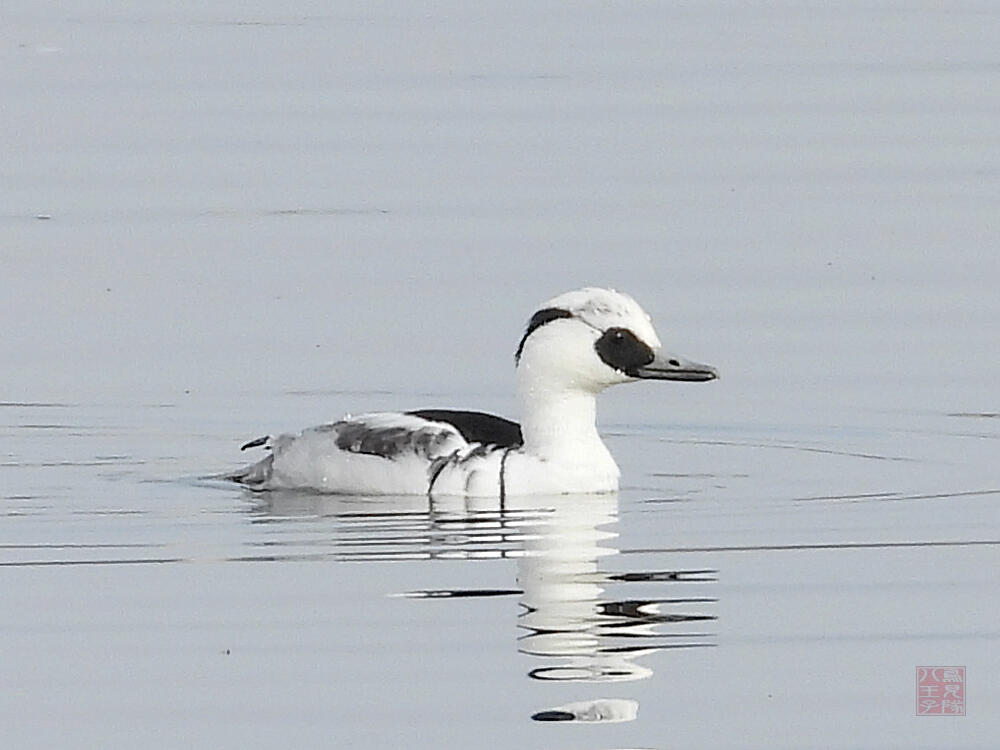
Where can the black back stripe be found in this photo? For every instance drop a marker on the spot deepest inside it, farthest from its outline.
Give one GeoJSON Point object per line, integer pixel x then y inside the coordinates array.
{"type": "Point", "coordinates": [476, 426]}
{"type": "Point", "coordinates": [540, 318]}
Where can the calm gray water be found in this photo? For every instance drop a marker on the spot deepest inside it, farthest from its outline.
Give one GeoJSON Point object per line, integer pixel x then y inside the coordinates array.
{"type": "Point", "coordinates": [221, 222]}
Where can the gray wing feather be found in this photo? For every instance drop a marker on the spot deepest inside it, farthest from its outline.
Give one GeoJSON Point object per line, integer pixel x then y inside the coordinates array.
{"type": "Point", "coordinates": [429, 439]}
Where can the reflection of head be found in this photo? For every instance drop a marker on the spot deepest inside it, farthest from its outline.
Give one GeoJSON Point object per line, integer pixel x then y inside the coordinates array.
{"type": "Point", "coordinates": [607, 710]}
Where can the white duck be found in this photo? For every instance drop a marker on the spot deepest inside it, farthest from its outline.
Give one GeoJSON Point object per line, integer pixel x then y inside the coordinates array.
{"type": "Point", "coordinates": [574, 347]}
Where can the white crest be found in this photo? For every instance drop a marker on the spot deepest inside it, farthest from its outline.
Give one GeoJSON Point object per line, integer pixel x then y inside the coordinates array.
{"type": "Point", "coordinates": [606, 308]}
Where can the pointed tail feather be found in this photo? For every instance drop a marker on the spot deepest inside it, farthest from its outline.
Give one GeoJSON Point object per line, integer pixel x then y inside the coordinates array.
{"type": "Point", "coordinates": [254, 476]}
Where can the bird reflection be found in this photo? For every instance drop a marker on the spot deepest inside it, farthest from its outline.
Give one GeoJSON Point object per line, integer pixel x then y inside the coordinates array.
{"type": "Point", "coordinates": [577, 619]}
{"type": "Point", "coordinates": [573, 619]}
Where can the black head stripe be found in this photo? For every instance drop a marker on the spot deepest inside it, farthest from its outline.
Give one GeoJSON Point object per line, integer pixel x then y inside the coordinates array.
{"type": "Point", "coordinates": [540, 318]}
{"type": "Point", "coordinates": [621, 349]}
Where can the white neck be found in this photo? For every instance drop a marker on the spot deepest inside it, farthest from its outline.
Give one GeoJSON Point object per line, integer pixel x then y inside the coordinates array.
{"type": "Point", "coordinates": [560, 424]}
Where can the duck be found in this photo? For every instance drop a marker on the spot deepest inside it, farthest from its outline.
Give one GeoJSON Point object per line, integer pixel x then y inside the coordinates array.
{"type": "Point", "coordinates": [575, 346]}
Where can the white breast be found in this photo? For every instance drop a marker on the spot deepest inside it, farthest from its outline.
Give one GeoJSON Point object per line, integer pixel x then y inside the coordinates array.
{"type": "Point", "coordinates": [523, 474]}
{"type": "Point", "coordinates": [526, 475]}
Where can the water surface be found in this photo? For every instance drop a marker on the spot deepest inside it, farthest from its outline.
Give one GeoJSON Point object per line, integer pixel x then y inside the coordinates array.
{"type": "Point", "coordinates": [221, 222]}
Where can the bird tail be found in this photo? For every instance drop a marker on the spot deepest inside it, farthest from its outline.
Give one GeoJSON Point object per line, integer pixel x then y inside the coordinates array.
{"type": "Point", "coordinates": [255, 475]}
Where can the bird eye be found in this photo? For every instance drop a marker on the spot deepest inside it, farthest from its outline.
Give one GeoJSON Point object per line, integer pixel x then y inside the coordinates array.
{"type": "Point", "coordinates": [621, 350]}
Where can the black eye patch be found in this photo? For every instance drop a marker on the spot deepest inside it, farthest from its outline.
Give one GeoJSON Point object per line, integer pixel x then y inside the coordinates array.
{"type": "Point", "coordinates": [620, 349]}
{"type": "Point", "coordinates": [540, 318]}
